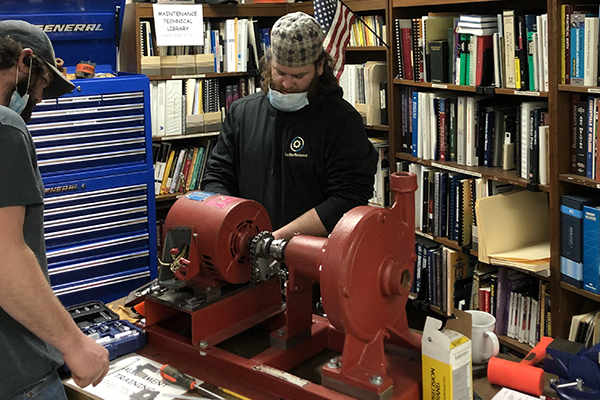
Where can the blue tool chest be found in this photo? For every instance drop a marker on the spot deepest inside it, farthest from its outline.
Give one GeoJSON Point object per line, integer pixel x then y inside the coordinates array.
{"type": "Point", "coordinates": [94, 154]}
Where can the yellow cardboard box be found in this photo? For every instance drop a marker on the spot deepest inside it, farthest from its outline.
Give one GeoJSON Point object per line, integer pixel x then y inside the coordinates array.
{"type": "Point", "coordinates": [446, 360]}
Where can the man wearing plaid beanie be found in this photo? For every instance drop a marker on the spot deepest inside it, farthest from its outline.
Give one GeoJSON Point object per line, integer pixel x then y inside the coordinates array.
{"type": "Point", "coordinates": [296, 147]}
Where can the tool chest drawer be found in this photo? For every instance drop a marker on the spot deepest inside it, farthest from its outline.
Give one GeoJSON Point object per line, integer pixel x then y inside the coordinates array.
{"type": "Point", "coordinates": [104, 288]}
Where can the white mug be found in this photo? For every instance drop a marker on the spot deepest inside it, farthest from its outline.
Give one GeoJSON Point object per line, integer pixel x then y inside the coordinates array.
{"type": "Point", "coordinates": [484, 341]}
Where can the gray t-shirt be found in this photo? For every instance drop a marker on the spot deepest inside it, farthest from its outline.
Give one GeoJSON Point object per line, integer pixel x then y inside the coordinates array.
{"type": "Point", "coordinates": [24, 358]}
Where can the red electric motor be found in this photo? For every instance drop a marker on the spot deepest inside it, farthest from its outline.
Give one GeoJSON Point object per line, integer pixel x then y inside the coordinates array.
{"type": "Point", "coordinates": [206, 240]}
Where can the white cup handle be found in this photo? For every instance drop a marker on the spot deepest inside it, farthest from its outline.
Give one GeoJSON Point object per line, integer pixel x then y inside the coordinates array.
{"type": "Point", "coordinates": [495, 344]}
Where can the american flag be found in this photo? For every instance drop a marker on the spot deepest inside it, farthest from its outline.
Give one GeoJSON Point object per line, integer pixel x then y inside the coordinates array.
{"type": "Point", "coordinates": [336, 20]}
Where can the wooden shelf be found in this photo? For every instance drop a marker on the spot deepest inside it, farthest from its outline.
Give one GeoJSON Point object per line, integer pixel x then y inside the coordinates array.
{"type": "Point", "coordinates": [446, 242]}
{"type": "Point", "coordinates": [471, 89]}
{"type": "Point", "coordinates": [526, 93]}
{"type": "Point", "coordinates": [514, 344]}
{"type": "Point", "coordinates": [448, 86]}
{"type": "Point", "coordinates": [197, 76]}
{"type": "Point", "coordinates": [167, 197]}
{"type": "Point", "coordinates": [492, 173]}
{"type": "Point", "coordinates": [579, 180]}
{"type": "Point", "coordinates": [581, 292]}
{"type": "Point", "coordinates": [382, 128]}
{"type": "Point", "coordinates": [181, 137]}
{"type": "Point", "coordinates": [365, 48]}
{"type": "Point", "coordinates": [421, 3]}
{"type": "Point", "coordinates": [579, 89]}
{"type": "Point", "coordinates": [367, 5]}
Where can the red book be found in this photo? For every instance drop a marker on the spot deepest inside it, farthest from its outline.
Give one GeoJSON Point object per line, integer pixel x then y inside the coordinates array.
{"type": "Point", "coordinates": [442, 134]}
{"type": "Point", "coordinates": [483, 43]}
{"type": "Point", "coordinates": [407, 60]}
{"type": "Point", "coordinates": [186, 168]}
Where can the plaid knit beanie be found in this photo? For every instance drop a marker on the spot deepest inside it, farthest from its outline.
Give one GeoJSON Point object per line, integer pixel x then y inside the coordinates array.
{"type": "Point", "coordinates": [296, 40]}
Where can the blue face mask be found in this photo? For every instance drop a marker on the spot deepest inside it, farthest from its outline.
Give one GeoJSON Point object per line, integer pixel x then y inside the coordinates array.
{"type": "Point", "coordinates": [18, 102]}
{"type": "Point", "coordinates": [288, 102]}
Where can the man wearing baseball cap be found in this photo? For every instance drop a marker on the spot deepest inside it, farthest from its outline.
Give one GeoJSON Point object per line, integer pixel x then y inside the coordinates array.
{"type": "Point", "coordinates": [297, 147]}
{"type": "Point", "coordinates": [36, 332]}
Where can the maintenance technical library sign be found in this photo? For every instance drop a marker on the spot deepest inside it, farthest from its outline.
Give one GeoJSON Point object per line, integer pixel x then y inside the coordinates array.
{"type": "Point", "coordinates": [178, 24]}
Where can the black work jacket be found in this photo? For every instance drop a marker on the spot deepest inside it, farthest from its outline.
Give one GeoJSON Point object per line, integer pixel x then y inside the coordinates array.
{"type": "Point", "coordinates": [317, 157]}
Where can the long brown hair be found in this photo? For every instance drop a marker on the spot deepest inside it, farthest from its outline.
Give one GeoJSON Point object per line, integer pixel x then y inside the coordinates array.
{"type": "Point", "coordinates": [324, 83]}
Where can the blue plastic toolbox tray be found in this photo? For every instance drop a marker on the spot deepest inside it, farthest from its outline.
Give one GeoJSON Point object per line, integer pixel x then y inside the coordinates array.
{"type": "Point", "coordinates": [97, 321]}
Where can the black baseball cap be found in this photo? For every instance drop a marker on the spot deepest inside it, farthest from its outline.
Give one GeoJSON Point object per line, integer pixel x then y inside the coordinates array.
{"type": "Point", "coordinates": [32, 37]}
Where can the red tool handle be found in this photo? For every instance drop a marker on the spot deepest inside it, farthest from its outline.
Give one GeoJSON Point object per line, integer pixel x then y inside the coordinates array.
{"type": "Point", "coordinates": [177, 377]}
{"type": "Point", "coordinates": [538, 352]}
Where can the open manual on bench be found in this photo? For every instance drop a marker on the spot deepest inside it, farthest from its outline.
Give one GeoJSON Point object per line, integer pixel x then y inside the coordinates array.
{"type": "Point", "coordinates": [131, 377]}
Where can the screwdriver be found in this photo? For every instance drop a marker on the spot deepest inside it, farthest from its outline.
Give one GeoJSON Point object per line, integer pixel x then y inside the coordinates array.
{"type": "Point", "coordinates": [177, 377]}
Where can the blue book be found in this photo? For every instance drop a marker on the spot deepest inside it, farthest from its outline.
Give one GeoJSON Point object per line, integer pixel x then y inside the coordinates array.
{"type": "Point", "coordinates": [454, 225]}
{"type": "Point", "coordinates": [444, 204]}
{"type": "Point", "coordinates": [531, 25]}
{"type": "Point", "coordinates": [488, 138]}
{"type": "Point", "coordinates": [571, 252]}
{"type": "Point", "coordinates": [265, 39]}
{"type": "Point", "coordinates": [415, 123]}
{"type": "Point", "coordinates": [577, 48]}
{"type": "Point", "coordinates": [214, 49]}
{"type": "Point", "coordinates": [591, 249]}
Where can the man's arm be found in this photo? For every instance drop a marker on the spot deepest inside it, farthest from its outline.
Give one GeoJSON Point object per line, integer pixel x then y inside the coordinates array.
{"type": "Point", "coordinates": [308, 223]}
{"type": "Point", "coordinates": [221, 175]}
{"type": "Point", "coordinates": [27, 297]}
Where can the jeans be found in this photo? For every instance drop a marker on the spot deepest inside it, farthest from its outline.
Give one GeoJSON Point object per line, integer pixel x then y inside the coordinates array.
{"type": "Point", "coordinates": [49, 388]}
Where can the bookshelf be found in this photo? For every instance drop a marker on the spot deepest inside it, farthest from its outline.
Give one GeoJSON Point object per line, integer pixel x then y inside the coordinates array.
{"type": "Point", "coordinates": [565, 302]}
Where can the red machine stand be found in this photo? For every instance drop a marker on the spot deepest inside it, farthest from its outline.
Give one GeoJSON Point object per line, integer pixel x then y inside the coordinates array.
{"type": "Point", "coordinates": [365, 270]}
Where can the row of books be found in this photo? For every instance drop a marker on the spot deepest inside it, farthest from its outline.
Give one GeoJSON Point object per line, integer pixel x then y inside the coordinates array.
{"type": "Point", "coordinates": [436, 263]}
{"type": "Point", "coordinates": [580, 242]}
{"type": "Point", "coordinates": [506, 50]}
{"type": "Point", "coordinates": [175, 103]}
{"type": "Point", "coordinates": [237, 44]}
{"type": "Point", "coordinates": [445, 202]}
{"type": "Point", "coordinates": [360, 35]}
{"type": "Point", "coordinates": [476, 131]}
{"type": "Point", "coordinates": [521, 303]}
{"type": "Point", "coordinates": [579, 44]}
{"type": "Point", "coordinates": [585, 328]}
{"type": "Point", "coordinates": [584, 136]}
{"type": "Point", "coordinates": [365, 87]}
{"type": "Point", "coordinates": [178, 169]}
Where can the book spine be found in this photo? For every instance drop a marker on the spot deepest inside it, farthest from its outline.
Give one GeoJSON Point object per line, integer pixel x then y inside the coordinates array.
{"type": "Point", "coordinates": [443, 134]}
{"type": "Point", "coordinates": [582, 126]}
{"type": "Point", "coordinates": [398, 37]}
{"type": "Point", "coordinates": [577, 49]}
{"type": "Point", "coordinates": [571, 245]}
{"type": "Point", "coordinates": [415, 123]}
{"type": "Point", "coordinates": [452, 130]}
{"type": "Point", "coordinates": [590, 143]}
{"type": "Point", "coordinates": [509, 48]}
{"type": "Point", "coordinates": [591, 245]}
{"type": "Point", "coordinates": [565, 44]}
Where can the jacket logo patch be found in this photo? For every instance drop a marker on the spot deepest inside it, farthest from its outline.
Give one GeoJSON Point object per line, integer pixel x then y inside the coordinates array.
{"type": "Point", "coordinates": [296, 145]}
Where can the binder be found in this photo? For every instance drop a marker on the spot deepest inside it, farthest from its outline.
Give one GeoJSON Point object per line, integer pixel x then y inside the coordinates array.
{"type": "Point", "coordinates": [173, 107]}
